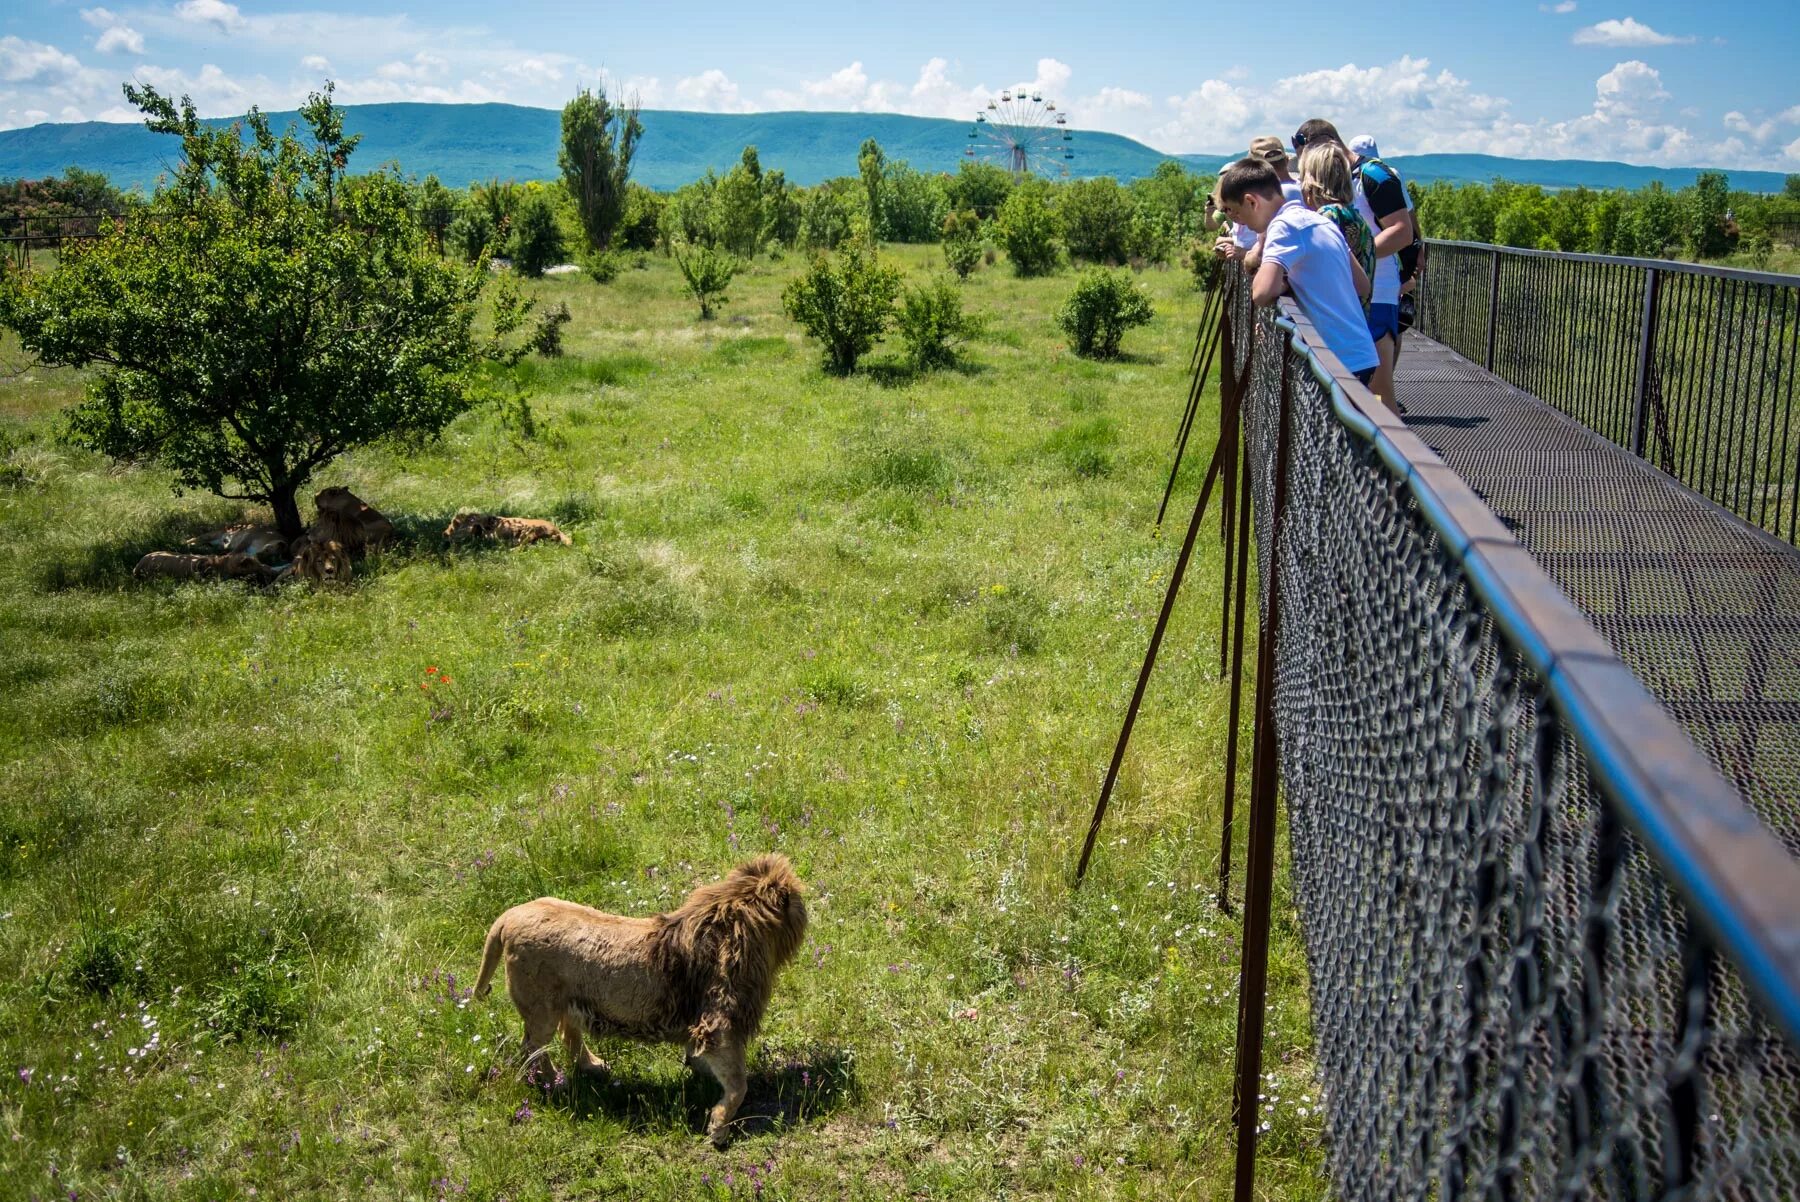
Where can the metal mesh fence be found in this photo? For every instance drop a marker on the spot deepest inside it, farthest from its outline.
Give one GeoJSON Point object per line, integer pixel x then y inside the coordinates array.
{"type": "Point", "coordinates": [1510, 999]}
{"type": "Point", "coordinates": [1691, 367]}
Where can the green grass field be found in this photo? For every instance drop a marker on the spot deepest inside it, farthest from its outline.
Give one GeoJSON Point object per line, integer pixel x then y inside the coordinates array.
{"type": "Point", "coordinates": [887, 625]}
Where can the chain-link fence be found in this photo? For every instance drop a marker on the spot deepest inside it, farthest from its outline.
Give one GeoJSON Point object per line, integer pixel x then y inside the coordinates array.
{"type": "Point", "coordinates": [1552, 955]}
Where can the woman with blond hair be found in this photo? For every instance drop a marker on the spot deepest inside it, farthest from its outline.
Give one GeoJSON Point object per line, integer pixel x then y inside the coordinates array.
{"type": "Point", "coordinates": [1326, 184]}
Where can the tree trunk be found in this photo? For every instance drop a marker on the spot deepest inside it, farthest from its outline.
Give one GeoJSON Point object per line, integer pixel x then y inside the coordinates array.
{"type": "Point", "coordinates": [287, 511]}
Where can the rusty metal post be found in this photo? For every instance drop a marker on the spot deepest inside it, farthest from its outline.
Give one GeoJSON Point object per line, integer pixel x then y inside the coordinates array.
{"type": "Point", "coordinates": [1143, 680]}
{"type": "Point", "coordinates": [1237, 689]}
{"type": "Point", "coordinates": [1187, 422]}
{"type": "Point", "coordinates": [1493, 306]}
{"type": "Point", "coordinates": [1259, 868]}
{"type": "Point", "coordinates": [1228, 381]}
{"type": "Point", "coordinates": [1640, 409]}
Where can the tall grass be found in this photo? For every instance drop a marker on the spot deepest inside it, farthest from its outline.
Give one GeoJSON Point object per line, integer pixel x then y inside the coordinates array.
{"type": "Point", "coordinates": [249, 842]}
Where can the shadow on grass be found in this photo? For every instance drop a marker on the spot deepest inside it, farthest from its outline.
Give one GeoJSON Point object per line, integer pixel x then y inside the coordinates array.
{"type": "Point", "coordinates": [898, 373]}
{"type": "Point", "coordinates": [788, 1088]}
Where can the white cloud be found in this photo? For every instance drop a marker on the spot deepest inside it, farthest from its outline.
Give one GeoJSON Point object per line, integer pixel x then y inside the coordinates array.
{"type": "Point", "coordinates": [1627, 32]}
{"type": "Point", "coordinates": [225, 17]}
{"type": "Point", "coordinates": [214, 93]}
{"type": "Point", "coordinates": [422, 66]}
{"type": "Point", "coordinates": [711, 91]}
{"type": "Point", "coordinates": [316, 62]}
{"type": "Point", "coordinates": [120, 38]}
{"type": "Point", "coordinates": [36, 63]}
{"type": "Point", "coordinates": [535, 70]}
{"type": "Point", "coordinates": [1563, 9]}
{"type": "Point", "coordinates": [1792, 151]}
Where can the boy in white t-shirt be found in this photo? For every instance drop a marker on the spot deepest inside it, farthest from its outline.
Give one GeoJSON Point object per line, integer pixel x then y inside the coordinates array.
{"type": "Point", "coordinates": [1304, 251]}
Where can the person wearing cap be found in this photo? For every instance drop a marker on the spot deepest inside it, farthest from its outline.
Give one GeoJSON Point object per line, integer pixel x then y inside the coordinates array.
{"type": "Point", "coordinates": [1268, 149]}
{"type": "Point", "coordinates": [1382, 202]}
{"type": "Point", "coordinates": [1364, 150]}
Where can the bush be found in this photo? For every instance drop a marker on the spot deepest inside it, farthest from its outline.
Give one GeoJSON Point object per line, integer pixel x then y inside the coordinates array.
{"type": "Point", "coordinates": [1103, 306]}
{"type": "Point", "coordinates": [962, 242]}
{"type": "Point", "coordinates": [1096, 219]}
{"type": "Point", "coordinates": [537, 239]}
{"type": "Point", "coordinates": [932, 324]}
{"type": "Point", "coordinates": [603, 266]}
{"type": "Point", "coordinates": [708, 272]}
{"type": "Point", "coordinates": [827, 216]}
{"type": "Point", "coordinates": [1027, 229]}
{"type": "Point", "coordinates": [845, 302]}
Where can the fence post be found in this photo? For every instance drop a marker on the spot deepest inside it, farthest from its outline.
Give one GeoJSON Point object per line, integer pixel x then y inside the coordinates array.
{"type": "Point", "coordinates": [1640, 409]}
{"type": "Point", "coordinates": [1493, 305]}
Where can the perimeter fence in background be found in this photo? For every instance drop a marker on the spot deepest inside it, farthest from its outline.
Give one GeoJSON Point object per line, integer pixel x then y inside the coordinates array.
{"type": "Point", "coordinates": [1552, 953]}
{"type": "Point", "coordinates": [1691, 367]}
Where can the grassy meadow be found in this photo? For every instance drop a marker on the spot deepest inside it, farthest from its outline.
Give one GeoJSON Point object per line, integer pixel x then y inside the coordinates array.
{"type": "Point", "coordinates": [250, 841]}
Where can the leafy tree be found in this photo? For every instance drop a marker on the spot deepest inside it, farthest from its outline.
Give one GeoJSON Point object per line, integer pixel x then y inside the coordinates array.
{"type": "Point", "coordinates": [249, 328]}
{"type": "Point", "coordinates": [438, 206]}
{"type": "Point", "coordinates": [643, 217]}
{"type": "Point", "coordinates": [1703, 215]}
{"type": "Point", "coordinates": [912, 204]}
{"type": "Point", "coordinates": [827, 215]}
{"type": "Point", "coordinates": [1103, 306]}
{"type": "Point", "coordinates": [1174, 195]}
{"type": "Point", "coordinates": [1651, 222]}
{"type": "Point", "coordinates": [932, 324]}
{"type": "Point", "coordinates": [688, 215]}
{"type": "Point", "coordinates": [869, 164]}
{"type": "Point", "coordinates": [707, 271]}
{"type": "Point", "coordinates": [781, 208]}
{"type": "Point", "coordinates": [983, 187]}
{"type": "Point", "coordinates": [1096, 219]}
{"type": "Point", "coordinates": [1028, 229]}
{"type": "Point", "coordinates": [740, 217]}
{"type": "Point", "coordinates": [845, 302]}
{"type": "Point", "coordinates": [598, 141]}
{"type": "Point", "coordinates": [961, 234]}
{"type": "Point", "coordinates": [537, 239]}
{"type": "Point", "coordinates": [1791, 187]}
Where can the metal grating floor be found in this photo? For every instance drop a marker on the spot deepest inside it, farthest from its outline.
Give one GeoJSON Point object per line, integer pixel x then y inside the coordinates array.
{"type": "Point", "coordinates": [1703, 607]}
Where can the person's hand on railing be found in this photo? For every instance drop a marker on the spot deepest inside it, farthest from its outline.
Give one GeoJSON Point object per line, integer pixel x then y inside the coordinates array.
{"type": "Point", "coordinates": [1225, 248]}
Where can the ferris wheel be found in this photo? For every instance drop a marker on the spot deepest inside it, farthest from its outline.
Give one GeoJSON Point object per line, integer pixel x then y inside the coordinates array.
{"type": "Point", "coordinates": [1024, 133]}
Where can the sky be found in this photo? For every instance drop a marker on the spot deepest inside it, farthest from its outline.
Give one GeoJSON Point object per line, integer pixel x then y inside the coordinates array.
{"type": "Point", "coordinates": [1668, 84]}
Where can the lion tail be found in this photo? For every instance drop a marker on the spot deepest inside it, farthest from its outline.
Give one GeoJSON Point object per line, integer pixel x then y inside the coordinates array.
{"type": "Point", "coordinates": [490, 956]}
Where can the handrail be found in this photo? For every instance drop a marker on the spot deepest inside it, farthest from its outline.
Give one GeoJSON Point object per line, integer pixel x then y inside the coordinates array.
{"type": "Point", "coordinates": [1737, 877]}
{"type": "Point", "coordinates": [1667, 266]}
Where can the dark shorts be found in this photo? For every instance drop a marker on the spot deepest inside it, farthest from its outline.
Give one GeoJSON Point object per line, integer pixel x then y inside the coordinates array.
{"type": "Point", "coordinates": [1384, 322]}
{"type": "Point", "coordinates": [1365, 375]}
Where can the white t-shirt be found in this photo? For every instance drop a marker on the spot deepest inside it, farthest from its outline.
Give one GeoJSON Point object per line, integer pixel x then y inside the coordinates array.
{"type": "Point", "coordinates": [1386, 284]}
{"type": "Point", "coordinates": [1245, 237]}
{"type": "Point", "coordinates": [1311, 249]}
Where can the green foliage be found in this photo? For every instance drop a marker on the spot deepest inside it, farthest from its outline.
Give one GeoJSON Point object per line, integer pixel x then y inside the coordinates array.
{"type": "Point", "coordinates": [473, 234]}
{"type": "Point", "coordinates": [980, 186]}
{"type": "Point", "coordinates": [828, 215]}
{"type": "Point", "coordinates": [1028, 229]}
{"type": "Point", "coordinates": [263, 320]}
{"type": "Point", "coordinates": [707, 271]}
{"type": "Point", "coordinates": [1096, 219]}
{"type": "Point", "coordinates": [598, 141]}
{"type": "Point", "coordinates": [845, 301]}
{"type": "Point", "coordinates": [1704, 206]}
{"type": "Point", "coordinates": [1104, 305]}
{"type": "Point", "coordinates": [603, 266]}
{"type": "Point", "coordinates": [740, 219]}
{"type": "Point", "coordinates": [537, 240]}
{"type": "Point", "coordinates": [869, 164]}
{"type": "Point", "coordinates": [932, 323]}
{"type": "Point", "coordinates": [437, 208]}
{"type": "Point", "coordinates": [961, 233]}
{"type": "Point", "coordinates": [912, 205]}
{"type": "Point", "coordinates": [641, 225]}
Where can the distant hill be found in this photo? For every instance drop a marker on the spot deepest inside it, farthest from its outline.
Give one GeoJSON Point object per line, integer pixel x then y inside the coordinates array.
{"type": "Point", "coordinates": [460, 143]}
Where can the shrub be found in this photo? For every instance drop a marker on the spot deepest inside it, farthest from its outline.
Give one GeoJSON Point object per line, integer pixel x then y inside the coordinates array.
{"type": "Point", "coordinates": [962, 242]}
{"type": "Point", "coordinates": [827, 216]}
{"type": "Point", "coordinates": [932, 324]}
{"type": "Point", "coordinates": [602, 266]}
{"type": "Point", "coordinates": [1096, 219]}
{"type": "Point", "coordinates": [708, 272]}
{"type": "Point", "coordinates": [1027, 229]}
{"type": "Point", "coordinates": [1103, 306]}
{"type": "Point", "coordinates": [537, 239]}
{"type": "Point", "coordinates": [844, 301]}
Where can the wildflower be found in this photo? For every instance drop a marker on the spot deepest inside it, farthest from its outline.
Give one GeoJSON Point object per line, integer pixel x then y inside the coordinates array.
{"type": "Point", "coordinates": [25, 1075]}
{"type": "Point", "coordinates": [425, 684]}
{"type": "Point", "coordinates": [522, 1114]}
{"type": "Point", "coordinates": [431, 671]}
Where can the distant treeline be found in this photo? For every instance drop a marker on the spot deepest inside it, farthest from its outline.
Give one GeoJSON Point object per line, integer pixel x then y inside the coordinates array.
{"type": "Point", "coordinates": [1154, 220]}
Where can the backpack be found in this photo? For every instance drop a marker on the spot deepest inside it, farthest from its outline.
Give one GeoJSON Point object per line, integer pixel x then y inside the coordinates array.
{"type": "Point", "coordinates": [1409, 255]}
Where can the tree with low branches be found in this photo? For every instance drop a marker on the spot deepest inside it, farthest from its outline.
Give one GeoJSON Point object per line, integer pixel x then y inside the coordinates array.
{"type": "Point", "coordinates": [598, 140]}
{"type": "Point", "coordinates": [258, 318]}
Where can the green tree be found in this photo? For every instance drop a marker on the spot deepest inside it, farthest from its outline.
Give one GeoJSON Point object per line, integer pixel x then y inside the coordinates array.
{"type": "Point", "coordinates": [828, 215]}
{"type": "Point", "coordinates": [845, 301]}
{"type": "Point", "coordinates": [980, 186]}
{"type": "Point", "coordinates": [643, 218]}
{"type": "Point", "coordinates": [869, 164]}
{"type": "Point", "coordinates": [933, 325]}
{"type": "Point", "coordinates": [1104, 305]}
{"type": "Point", "coordinates": [598, 141]}
{"type": "Point", "coordinates": [438, 206]}
{"type": "Point", "coordinates": [248, 328]}
{"type": "Point", "coordinates": [740, 218]}
{"type": "Point", "coordinates": [707, 271]}
{"type": "Point", "coordinates": [1703, 212]}
{"type": "Point", "coordinates": [1096, 219]}
{"type": "Point", "coordinates": [1651, 223]}
{"type": "Point", "coordinates": [537, 240]}
{"type": "Point", "coordinates": [1028, 229]}
{"type": "Point", "coordinates": [961, 234]}
{"type": "Point", "coordinates": [912, 204]}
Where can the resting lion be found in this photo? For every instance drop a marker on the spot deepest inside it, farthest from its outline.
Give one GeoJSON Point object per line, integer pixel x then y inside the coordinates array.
{"type": "Point", "coordinates": [262, 542]}
{"type": "Point", "coordinates": [699, 975]}
{"type": "Point", "coordinates": [320, 560]}
{"type": "Point", "coordinates": [176, 566]}
{"type": "Point", "coordinates": [350, 520]}
{"type": "Point", "coordinates": [518, 531]}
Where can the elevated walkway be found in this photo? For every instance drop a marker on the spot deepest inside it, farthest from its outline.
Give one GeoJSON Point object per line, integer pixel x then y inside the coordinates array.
{"type": "Point", "coordinates": [1702, 606]}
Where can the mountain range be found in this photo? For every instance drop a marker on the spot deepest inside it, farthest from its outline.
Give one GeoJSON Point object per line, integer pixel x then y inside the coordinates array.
{"type": "Point", "coordinates": [462, 143]}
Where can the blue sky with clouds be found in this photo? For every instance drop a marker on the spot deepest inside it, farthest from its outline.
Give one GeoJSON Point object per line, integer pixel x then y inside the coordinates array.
{"type": "Point", "coordinates": [1661, 83]}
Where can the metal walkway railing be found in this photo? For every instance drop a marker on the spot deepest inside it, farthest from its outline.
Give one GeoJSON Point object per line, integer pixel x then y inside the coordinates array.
{"type": "Point", "coordinates": [1692, 367]}
{"type": "Point", "coordinates": [1552, 951]}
